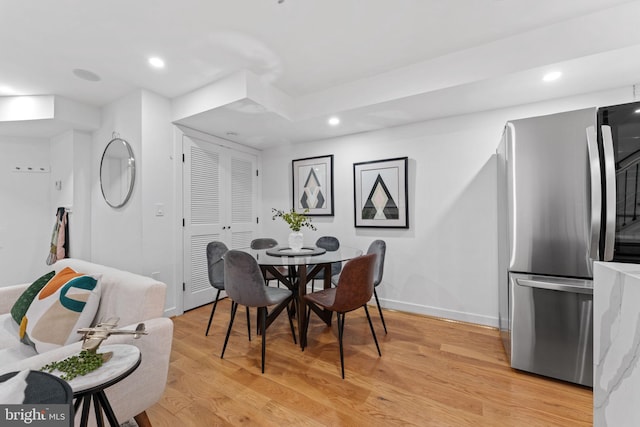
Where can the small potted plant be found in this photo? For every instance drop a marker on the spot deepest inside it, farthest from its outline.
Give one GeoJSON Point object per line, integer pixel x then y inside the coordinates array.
{"type": "Point", "coordinates": [296, 222]}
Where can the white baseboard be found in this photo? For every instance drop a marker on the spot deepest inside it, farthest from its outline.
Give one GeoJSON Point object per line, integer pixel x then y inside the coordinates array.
{"type": "Point", "coordinates": [430, 311]}
{"type": "Point", "coordinates": [440, 312]}
{"type": "Point", "coordinates": [171, 312]}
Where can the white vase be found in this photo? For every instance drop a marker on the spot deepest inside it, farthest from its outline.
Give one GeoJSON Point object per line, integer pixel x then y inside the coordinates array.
{"type": "Point", "coordinates": [296, 241]}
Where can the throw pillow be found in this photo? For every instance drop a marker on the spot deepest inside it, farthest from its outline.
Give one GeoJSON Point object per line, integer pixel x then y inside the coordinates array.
{"type": "Point", "coordinates": [69, 301]}
{"type": "Point", "coordinates": [24, 301]}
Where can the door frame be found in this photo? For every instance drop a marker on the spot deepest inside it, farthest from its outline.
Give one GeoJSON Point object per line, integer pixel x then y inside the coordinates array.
{"type": "Point", "coordinates": [180, 132]}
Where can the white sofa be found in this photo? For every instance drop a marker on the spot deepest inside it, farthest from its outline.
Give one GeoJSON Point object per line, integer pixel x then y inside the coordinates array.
{"type": "Point", "coordinates": [131, 297]}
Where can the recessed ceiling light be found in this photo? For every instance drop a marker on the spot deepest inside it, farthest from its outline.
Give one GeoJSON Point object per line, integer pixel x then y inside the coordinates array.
{"type": "Point", "coordinates": [333, 121]}
{"type": "Point", "coordinates": [554, 75]}
{"type": "Point", "coordinates": [156, 62]}
{"type": "Point", "coordinates": [637, 111]}
{"type": "Point", "coordinates": [86, 75]}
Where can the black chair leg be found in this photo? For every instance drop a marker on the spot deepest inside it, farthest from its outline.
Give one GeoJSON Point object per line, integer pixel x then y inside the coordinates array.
{"type": "Point", "coordinates": [293, 331]}
{"type": "Point", "coordinates": [366, 310]}
{"type": "Point", "coordinates": [380, 310]}
{"type": "Point", "coordinates": [234, 307]}
{"type": "Point", "coordinates": [213, 310]}
{"type": "Point", "coordinates": [248, 324]}
{"type": "Point", "coordinates": [262, 312]}
{"type": "Point", "coordinates": [340, 333]}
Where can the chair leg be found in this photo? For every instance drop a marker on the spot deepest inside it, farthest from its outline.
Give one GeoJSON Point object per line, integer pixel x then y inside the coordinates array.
{"type": "Point", "coordinates": [366, 310]}
{"type": "Point", "coordinates": [340, 333]}
{"type": "Point", "coordinates": [213, 310]}
{"type": "Point", "coordinates": [262, 311]}
{"type": "Point", "coordinates": [234, 307]}
{"type": "Point", "coordinates": [248, 324]}
{"type": "Point", "coordinates": [293, 331]}
{"type": "Point", "coordinates": [306, 328]}
{"type": "Point", "coordinates": [380, 310]}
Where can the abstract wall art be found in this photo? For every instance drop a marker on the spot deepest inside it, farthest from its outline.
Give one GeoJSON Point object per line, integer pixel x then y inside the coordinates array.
{"type": "Point", "coordinates": [380, 193]}
{"type": "Point", "coordinates": [313, 185]}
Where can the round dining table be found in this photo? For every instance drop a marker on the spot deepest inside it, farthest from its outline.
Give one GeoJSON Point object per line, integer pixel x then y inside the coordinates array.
{"type": "Point", "coordinates": [303, 266]}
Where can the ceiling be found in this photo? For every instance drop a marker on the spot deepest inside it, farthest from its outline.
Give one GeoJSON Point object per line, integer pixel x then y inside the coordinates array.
{"type": "Point", "coordinates": [373, 63]}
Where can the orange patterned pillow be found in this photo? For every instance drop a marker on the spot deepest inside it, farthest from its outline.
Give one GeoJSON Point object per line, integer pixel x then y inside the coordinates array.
{"type": "Point", "coordinates": [67, 302]}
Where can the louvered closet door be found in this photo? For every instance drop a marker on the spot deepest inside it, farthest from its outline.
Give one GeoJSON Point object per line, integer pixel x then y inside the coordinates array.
{"type": "Point", "coordinates": [219, 204]}
{"type": "Point", "coordinates": [243, 213]}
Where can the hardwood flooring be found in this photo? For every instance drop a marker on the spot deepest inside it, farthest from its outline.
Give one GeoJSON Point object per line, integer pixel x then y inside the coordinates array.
{"type": "Point", "coordinates": [432, 373]}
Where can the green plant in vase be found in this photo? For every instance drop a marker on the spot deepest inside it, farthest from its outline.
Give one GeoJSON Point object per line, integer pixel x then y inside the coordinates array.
{"type": "Point", "coordinates": [296, 221]}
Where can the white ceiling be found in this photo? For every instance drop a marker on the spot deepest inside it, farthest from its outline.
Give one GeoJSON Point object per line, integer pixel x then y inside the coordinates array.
{"type": "Point", "coordinates": [375, 63]}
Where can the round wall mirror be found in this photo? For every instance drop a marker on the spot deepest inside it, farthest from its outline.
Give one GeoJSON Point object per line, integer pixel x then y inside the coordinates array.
{"type": "Point", "coordinates": [117, 172]}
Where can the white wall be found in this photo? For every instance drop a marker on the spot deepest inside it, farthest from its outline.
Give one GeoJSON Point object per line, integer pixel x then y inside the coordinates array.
{"type": "Point", "coordinates": [71, 167]}
{"type": "Point", "coordinates": [158, 181]}
{"type": "Point", "coordinates": [27, 216]}
{"type": "Point", "coordinates": [62, 169]}
{"type": "Point", "coordinates": [80, 227]}
{"type": "Point", "coordinates": [134, 237]}
{"type": "Point", "coordinates": [445, 264]}
{"type": "Point", "coordinates": [116, 234]}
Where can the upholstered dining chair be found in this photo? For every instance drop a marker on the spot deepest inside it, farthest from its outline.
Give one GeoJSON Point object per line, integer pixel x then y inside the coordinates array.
{"type": "Point", "coordinates": [378, 247]}
{"type": "Point", "coordinates": [330, 244]}
{"type": "Point", "coordinates": [268, 243]}
{"type": "Point", "coordinates": [215, 251]}
{"type": "Point", "coordinates": [245, 285]}
{"type": "Point", "coordinates": [354, 290]}
{"type": "Point", "coordinates": [264, 243]}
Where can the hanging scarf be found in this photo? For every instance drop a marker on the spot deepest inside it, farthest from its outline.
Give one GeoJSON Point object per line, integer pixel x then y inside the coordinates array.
{"type": "Point", "coordinates": [58, 237]}
{"type": "Point", "coordinates": [61, 245]}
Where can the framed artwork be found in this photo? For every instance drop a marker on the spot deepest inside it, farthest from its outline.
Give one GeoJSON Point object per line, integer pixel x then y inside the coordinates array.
{"type": "Point", "coordinates": [380, 193]}
{"type": "Point", "coordinates": [313, 185]}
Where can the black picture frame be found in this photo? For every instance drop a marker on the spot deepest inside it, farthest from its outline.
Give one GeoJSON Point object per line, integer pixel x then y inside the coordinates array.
{"type": "Point", "coordinates": [313, 185]}
{"type": "Point", "coordinates": [381, 193]}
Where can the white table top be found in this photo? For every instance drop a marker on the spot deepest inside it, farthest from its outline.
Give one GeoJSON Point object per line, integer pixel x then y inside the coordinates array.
{"type": "Point", "coordinates": [124, 357]}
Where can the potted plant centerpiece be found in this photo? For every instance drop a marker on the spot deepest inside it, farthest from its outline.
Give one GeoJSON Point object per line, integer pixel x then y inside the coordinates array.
{"type": "Point", "coordinates": [296, 221]}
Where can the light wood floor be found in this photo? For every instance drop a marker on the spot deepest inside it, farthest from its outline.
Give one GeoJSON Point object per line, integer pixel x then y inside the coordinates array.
{"type": "Point", "coordinates": [431, 373]}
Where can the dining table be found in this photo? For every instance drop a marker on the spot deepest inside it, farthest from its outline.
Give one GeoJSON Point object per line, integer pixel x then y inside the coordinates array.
{"type": "Point", "coordinates": [301, 267]}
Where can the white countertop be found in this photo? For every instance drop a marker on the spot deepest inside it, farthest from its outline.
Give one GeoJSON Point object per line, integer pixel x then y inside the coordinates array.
{"type": "Point", "coordinates": [616, 344]}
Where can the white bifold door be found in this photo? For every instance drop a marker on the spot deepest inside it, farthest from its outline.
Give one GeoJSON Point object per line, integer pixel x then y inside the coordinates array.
{"type": "Point", "coordinates": [220, 203]}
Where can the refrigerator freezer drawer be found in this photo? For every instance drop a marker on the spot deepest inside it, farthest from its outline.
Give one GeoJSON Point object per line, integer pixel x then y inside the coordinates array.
{"type": "Point", "coordinates": [552, 327]}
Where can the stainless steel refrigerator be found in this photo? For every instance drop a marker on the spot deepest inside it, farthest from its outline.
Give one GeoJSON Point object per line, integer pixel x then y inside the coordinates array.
{"type": "Point", "coordinates": [567, 195]}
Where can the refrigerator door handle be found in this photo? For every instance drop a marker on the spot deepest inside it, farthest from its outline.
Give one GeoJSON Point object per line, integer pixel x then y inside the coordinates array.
{"type": "Point", "coordinates": [554, 286]}
{"type": "Point", "coordinates": [596, 192]}
{"type": "Point", "coordinates": [610, 192]}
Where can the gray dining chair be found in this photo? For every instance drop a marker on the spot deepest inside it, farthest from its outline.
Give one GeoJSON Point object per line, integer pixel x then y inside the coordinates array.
{"type": "Point", "coordinates": [264, 243]}
{"type": "Point", "coordinates": [245, 285]}
{"type": "Point", "coordinates": [354, 290]}
{"type": "Point", "coordinates": [330, 244]}
{"type": "Point", "coordinates": [215, 252]}
{"type": "Point", "coordinates": [268, 243]}
{"type": "Point", "coordinates": [378, 247]}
